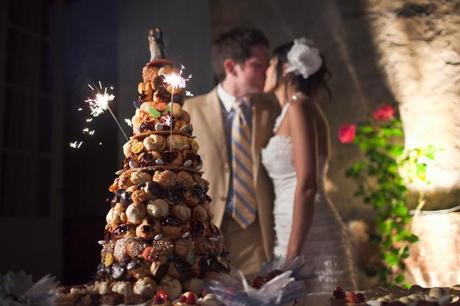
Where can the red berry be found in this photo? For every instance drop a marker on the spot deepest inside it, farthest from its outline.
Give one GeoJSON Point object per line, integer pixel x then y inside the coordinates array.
{"type": "Point", "coordinates": [182, 298]}
{"type": "Point", "coordinates": [360, 297]}
{"type": "Point", "coordinates": [162, 294]}
{"type": "Point", "coordinates": [338, 293]}
{"type": "Point", "coordinates": [191, 299]}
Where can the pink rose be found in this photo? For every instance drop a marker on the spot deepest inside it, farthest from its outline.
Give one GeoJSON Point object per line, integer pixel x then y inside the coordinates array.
{"type": "Point", "coordinates": [384, 113]}
{"type": "Point", "coordinates": [347, 133]}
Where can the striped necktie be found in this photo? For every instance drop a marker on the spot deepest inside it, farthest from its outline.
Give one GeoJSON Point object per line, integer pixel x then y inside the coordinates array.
{"type": "Point", "coordinates": [244, 200]}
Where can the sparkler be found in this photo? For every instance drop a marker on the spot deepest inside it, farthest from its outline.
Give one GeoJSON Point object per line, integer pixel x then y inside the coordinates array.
{"type": "Point", "coordinates": [176, 81]}
{"type": "Point", "coordinates": [100, 103]}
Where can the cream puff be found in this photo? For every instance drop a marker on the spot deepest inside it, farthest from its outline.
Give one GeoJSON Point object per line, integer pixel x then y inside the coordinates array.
{"type": "Point", "coordinates": [181, 212]}
{"type": "Point", "coordinates": [158, 208]}
{"type": "Point", "coordinates": [199, 213]}
{"type": "Point", "coordinates": [140, 177]}
{"type": "Point", "coordinates": [185, 179]}
{"type": "Point", "coordinates": [135, 213]}
{"type": "Point", "coordinates": [139, 196]}
{"type": "Point", "coordinates": [165, 178]}
{"type": "Point", "coordinates": [172, 286]}
{"type": "Point", "coordinates": [154, 143]}
{"type": "Point", "coordinates": [123, 288]}
{"type": "Point", "coordinates": [145, 287]}
{"type": "Point", "coordinates": [124, 180]}
{"type": "Point", "coordinates": [178, 142]}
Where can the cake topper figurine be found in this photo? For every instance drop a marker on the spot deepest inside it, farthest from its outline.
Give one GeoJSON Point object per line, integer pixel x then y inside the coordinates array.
{"type": "Point", "coordinates": [156, 44]}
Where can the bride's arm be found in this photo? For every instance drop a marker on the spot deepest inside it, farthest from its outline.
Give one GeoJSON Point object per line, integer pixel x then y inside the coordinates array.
{"type": "Point", "coordinates": [302, 133]}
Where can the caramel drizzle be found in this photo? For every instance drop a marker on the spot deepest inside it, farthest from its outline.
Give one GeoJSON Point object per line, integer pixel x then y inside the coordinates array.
{"type": "Point", "coordinates": [164, 167]}
{"type": "Point", "coordinates": [164, 133]}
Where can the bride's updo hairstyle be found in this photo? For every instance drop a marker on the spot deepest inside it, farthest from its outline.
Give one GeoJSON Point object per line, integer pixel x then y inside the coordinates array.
{"type": "Point", "coordinates": [306, 67]}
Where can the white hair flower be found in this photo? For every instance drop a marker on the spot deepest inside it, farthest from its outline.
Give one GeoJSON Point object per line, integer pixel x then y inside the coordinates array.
{"type": "Point", "coordinates": [303, 58]}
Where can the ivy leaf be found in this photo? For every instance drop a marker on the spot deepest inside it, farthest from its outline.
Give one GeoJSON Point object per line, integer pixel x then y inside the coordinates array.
{"type": "Point", "coordinates": [412, 238]}
{"type": "Point", "coordinates": [399, 279]}
{"type": "Point", "coordinates": [400, 210]}
{"type": "Point", "coordinates": [396, 150]}
{"type": "Point", "coordinates": [421, 171]}
{"type": "Point", "coordinates": [391, 131]}
{"type": "Point", "coordinates": [391, 259]}
{"type": "Point", "coordinates": [354, 170]}
{"type": "Point", "coordinates": [385, 227]}
{"type": "Point", "coordinates": [365, 128]}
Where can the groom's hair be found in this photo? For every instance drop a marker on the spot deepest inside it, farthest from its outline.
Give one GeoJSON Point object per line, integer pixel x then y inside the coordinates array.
{"type": "Point", "coordinates": [235, 44]}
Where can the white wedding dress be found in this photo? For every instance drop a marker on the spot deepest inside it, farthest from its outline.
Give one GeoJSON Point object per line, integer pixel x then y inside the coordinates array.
{"type": "Point", "coordinates": [326, 248]}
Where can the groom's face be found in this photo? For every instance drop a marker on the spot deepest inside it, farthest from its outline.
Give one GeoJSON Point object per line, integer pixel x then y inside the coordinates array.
{"type": "Point", "coordinates": [250, 74]}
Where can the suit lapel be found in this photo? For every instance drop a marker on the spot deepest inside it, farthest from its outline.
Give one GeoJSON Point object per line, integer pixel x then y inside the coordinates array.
{"type": "Point", "coordinates": [213, 116]}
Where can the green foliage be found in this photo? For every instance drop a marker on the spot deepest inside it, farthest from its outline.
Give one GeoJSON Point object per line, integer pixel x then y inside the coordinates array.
{"type": "Point", "coordinates": [382, 177]}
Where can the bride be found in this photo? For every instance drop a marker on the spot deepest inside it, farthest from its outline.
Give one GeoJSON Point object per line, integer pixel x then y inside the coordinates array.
{"type": "Point", "coordinates": [306, 222]}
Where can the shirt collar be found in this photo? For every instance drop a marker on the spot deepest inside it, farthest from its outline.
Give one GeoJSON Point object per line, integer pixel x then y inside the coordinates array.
{"type": "Point", "coordinates": [227, 99]}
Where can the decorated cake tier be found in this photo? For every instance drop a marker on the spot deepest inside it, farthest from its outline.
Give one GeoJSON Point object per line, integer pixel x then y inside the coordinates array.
{"type": "Point", "coordinates": [159, 150]}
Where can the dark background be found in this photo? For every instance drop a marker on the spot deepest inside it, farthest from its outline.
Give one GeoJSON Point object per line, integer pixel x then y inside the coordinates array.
{"type": "Point", "coordinates": [53, 197]}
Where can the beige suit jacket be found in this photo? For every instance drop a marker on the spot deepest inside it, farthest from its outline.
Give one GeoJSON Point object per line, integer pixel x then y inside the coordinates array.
{"type": "Point", "coordinates": [207, 121]}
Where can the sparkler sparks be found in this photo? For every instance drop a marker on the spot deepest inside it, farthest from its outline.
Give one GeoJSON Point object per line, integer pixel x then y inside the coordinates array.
{"type": "Point", "coordinates": [176, 80]}
{"type": "Point", "coordinates": [76, 144]}
{"type": "Point", "coordinates": [100, 103]}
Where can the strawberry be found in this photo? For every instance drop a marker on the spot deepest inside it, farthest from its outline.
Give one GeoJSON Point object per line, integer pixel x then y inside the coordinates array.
{"type": "Point", "coordinates": [146, 253]}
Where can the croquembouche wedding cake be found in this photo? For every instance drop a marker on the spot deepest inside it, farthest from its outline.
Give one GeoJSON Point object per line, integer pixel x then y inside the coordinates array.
{"type": "Point", "coordinates": [160, 245]}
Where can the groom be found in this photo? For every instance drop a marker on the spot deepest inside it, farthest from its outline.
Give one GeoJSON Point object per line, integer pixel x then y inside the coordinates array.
{"type": "Point", "coordinates": [232, 124]}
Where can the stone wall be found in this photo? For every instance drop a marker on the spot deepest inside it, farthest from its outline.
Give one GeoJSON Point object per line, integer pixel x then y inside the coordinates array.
{"type": "Point", "coordinates": [418, 47]}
